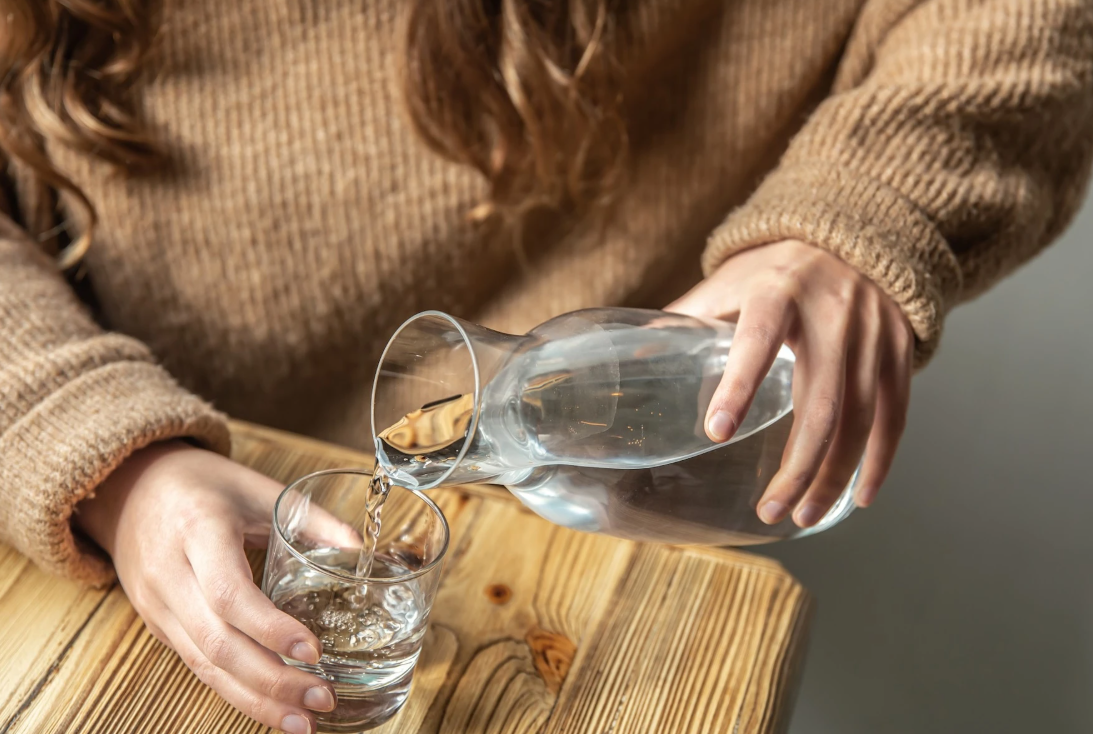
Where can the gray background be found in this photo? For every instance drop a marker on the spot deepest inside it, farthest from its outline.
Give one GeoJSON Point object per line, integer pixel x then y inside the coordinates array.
{"type": "Point", "coordinates": [962, 601]}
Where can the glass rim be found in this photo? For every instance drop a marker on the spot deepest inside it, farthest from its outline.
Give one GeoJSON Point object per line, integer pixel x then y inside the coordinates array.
{"type": "Point", "coordinates": [350, 577]}
{"type": "Point", "coordinates": [472, 426]}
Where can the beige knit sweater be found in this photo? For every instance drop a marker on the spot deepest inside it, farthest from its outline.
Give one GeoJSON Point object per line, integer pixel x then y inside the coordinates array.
{"type": "Point", "coordinates": [933, 145]}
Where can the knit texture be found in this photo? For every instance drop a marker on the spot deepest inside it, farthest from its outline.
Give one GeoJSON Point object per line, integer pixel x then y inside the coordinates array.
{"type": "Point", "coordinates": [934, 146]}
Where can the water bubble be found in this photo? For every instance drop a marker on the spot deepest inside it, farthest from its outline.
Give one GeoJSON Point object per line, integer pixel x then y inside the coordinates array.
{"type": "Point", "coordinates": [339, 620]}
{"type": "Point", "coordinates": [365, 638]}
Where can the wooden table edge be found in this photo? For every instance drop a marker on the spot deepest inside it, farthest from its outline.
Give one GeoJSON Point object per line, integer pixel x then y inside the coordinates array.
{"type": "Point", "coordinates": [791, 665]}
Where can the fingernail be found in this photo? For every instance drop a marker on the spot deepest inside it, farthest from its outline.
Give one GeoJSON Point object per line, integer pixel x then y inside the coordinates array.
{"type": "Point", "coordinates": [295, 724]}
{"type": "Point", "coordinates": [721, 426]}
{"type": "Point", "coordinates": [809, 515]}
{"type": "Point", "coordinates": [319, 699]}
{"type": "Point", "coordinates": [865, 496]}
{"type": "Point", "coordinates": [772, 512]}
{"type": "Point", "coordinates": [305, 653]}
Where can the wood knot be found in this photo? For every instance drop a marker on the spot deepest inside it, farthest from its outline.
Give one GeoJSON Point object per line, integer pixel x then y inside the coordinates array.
{"type": "Point", "coordinates": [498, 593]}
{"type": "Point", "coordinates": [552, 654]}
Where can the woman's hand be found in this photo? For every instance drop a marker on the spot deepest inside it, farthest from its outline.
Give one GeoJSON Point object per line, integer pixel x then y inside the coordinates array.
{"type": "Point", "coordinates": [174, 519]}
{"type": "Point", "coordinates": [851, 383]}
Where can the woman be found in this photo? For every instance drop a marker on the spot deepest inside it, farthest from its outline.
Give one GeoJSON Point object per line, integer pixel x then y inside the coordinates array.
{"type": "Point", "coordinates": [240, 214]}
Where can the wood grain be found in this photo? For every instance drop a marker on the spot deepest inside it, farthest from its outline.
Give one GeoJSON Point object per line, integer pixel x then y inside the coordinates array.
{"type": "Point", "coordinates": [535, 629]}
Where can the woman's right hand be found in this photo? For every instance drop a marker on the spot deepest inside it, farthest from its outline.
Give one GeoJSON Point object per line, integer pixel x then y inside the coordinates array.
{"type": "Point", "coordinates": [174, 519]}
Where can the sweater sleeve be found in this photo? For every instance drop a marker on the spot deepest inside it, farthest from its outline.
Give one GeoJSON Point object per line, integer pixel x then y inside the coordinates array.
{"type": "Point", "coordinates": [955, 145]}
{"type": "Point", "coordinates": [74, 402]}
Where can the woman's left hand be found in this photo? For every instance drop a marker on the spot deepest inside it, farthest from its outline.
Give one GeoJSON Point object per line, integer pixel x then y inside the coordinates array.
{"type": "Point", "coordinates": [851, 382]}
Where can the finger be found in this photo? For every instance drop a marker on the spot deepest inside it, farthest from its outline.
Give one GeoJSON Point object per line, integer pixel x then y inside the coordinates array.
{"type": "Point", "coordinates": [819, 378]}
{"type": "Point", "coordinates": [224, 578]}
{"type": "Point", "coordinates": [253, 666]}
{"type": "Point", "coordinates": [263, 709]}
{"type": "Point", "coordinates": [855, 423]}
{"type": "Point", "coordinates": [893, 399]}
{"type": "Point", "coordinates": [307, 521]}
{"type": "Point", "coordinates": [764, 322]}
{"type": "Point", "coordinates": [711, 298]}
{"type": "Point", "coordinates": [327, 530]}
{"type": "Point", "coordinates": [151, 611]}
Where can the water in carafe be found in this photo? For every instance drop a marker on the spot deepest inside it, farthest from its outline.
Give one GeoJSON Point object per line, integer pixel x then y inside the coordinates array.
{"type": "Point", "coordinates": [595, 421]}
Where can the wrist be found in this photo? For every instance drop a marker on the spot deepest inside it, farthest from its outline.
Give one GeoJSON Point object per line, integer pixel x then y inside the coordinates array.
{"type": "Point", "coordinates": [97, 515]}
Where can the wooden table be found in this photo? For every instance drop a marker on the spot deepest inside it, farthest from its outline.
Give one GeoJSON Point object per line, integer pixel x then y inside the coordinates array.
{"type": "Point", "coordinates": [535, 629]}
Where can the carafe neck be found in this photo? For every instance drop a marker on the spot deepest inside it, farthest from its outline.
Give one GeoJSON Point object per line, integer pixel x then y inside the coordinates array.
{"type": "Point", "coordinates": [427, 400]}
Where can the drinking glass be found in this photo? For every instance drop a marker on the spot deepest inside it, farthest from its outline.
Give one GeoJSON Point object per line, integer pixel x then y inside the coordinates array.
{"type": "Point", "coordinates": [371, 627]}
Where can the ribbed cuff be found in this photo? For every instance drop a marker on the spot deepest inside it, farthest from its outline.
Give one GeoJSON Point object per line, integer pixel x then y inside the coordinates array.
{"type": "Point", "coordinates": [60, 451]}
{"type": "Point", "coordinates": [869, 225]}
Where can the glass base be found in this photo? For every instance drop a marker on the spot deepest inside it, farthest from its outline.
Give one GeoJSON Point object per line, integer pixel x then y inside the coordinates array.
{"type": "Point", "coordinates": [361, 709]}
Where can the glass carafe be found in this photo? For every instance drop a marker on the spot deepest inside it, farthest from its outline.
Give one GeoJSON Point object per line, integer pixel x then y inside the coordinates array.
{"type": "Point", "coordinates": [594, 420]}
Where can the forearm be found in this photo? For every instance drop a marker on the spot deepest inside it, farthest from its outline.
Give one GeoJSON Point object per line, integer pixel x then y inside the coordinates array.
{"type": "Point", "coordinates": [77, 402]}
{"type": "Point", "coordinates": [955, 146]}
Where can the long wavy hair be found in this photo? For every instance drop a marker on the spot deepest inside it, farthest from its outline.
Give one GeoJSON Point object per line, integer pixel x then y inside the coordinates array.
{"type": "Point", "coordinates": [527, 92]}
